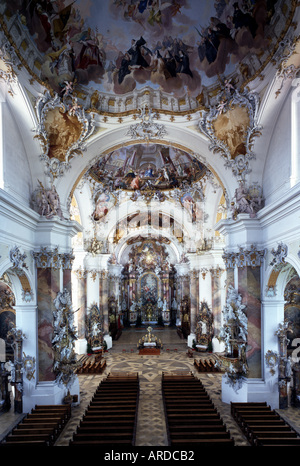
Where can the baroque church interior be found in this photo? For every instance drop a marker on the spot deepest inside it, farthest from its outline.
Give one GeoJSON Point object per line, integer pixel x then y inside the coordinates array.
{"type": "Point", "coordinates": [149, 223]}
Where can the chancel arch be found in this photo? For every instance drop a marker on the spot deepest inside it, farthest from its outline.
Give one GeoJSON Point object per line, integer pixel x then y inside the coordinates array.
{"type": "Point", "coordinates": [157, 191]}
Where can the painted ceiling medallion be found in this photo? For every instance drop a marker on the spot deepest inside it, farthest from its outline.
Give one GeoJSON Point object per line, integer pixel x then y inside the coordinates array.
{"type": "Point", "coordinates": [231, 127]}
{"type": "Point", "coordinates": [63, 128]}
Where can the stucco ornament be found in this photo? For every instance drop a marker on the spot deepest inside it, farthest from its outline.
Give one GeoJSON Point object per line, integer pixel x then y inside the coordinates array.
{"type": "Point", "coordinates": [231, 126]}
{"type": "Point", "coordinates": [234, 334]}
{"type": "Point", "coordinates": [279, 256]}
{"type": "Point", "coordinates": [65, 335]}
{"type": "Point", "coordinates": [63, 129]}
{"type": "Point", "coordinates": [146, 129]}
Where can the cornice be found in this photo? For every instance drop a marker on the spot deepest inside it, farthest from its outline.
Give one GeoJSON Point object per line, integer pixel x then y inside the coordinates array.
{"type": "Point", "coordinates": [282, 207]}
{"type": "Point", "coordinates": [13, 209]}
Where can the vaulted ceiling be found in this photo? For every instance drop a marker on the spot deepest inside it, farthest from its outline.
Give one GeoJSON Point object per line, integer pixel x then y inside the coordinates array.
{"type": "Point", "coordinates": [179, 74]}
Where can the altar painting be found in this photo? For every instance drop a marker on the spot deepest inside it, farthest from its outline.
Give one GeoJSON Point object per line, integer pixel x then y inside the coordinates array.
{"type": "Point", "coordinates": [149, 289]}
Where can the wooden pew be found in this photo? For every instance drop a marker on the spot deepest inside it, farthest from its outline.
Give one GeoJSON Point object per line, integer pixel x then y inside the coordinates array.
{"type": "Point", "coordinates": [191, 417]}
{"type": "Point", "coordinates": [91, 364]}
{"type": "Point", "coordinates": [192, 443]}
{"type": "Point", "coordinates": [263, 426]}
{"type": "Point", "coordinates": [41, 426]}
{"type": "Point", "coordinates": [205, 365]}
{"type": "Point", "coordinates": [110, 418]}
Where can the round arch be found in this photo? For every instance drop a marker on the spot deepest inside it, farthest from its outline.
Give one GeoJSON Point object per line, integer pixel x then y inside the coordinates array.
{"type": "Point", "coordinates": [180, 136]}
{"type": "Point", "coordinates": [277, 277]}
{"type": "Point", "coordinates": [22, 283]}
{"type": "Point", "coordinates": [173, 245]}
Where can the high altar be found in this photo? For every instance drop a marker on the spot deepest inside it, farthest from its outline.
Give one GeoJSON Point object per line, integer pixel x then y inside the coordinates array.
{"type": "Point", "coordinates": [150, 283]}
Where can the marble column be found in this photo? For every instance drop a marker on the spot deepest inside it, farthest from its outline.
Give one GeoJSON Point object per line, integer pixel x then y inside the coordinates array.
{"type": "Point", "coordinates": [114, 273]}
{"type": "Point", "coordinates": [205, 286]}
{"type": "Point", "coordinates": [216, 303]}
{"type": "Point", "coordinates": [184, 286]}
{"type": "Point", "coordinates": [194, 287]}
{"type": "Point", "coordinates": [48, 264]}
{"type": "Point", "coordinates": [249, 287]}
{"type": "Point", "coordinates": [92, 288]}
{"type": "Point", "coordinates": [272, 313]}
{"type": "Point", "coordinates": [230, 277]}
{"type": "Point", "coordinates": [132, 289]}
{"type": "Point", "coordinates": [81, 302]}
{"type": "Point", "coordinates": [67, 261]}
{"type": "Point", "coordinates": [248, 262]}
{"type": "Point", "coordinates": [104, 299]}
{"type": "Point", "coordinates": [178, 296]}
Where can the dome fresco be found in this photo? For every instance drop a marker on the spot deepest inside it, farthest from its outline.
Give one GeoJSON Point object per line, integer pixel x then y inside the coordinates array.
{"type": "Point", "coordinates": [117, 46]}
{"type": "Point", "coordinates": [144, 166]}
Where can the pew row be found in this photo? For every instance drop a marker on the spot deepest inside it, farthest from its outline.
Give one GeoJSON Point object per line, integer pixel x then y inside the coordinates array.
{"type": "Point", "coordinates": [191, 417]}
{"type": "Point", "coordinates": [41, 427]}
{"type": "Point", "coordinates": [263, 426]}
{"type": "Point", "coordinates": [94, 364]}
{"type": "Point", "coordinates": [206, 365]}
{"type": "Point", "coordinates": [111, 416]}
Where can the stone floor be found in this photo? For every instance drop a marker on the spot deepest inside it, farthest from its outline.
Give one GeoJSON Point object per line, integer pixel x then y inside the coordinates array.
{"type": "Point", "coordinates": [151, 428]}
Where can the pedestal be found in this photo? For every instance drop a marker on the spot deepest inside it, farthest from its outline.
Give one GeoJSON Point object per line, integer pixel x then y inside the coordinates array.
{"type": "Point", "coordinates": [229, 394]}
{"type": "Point", "coordinates": [48, 393]}
{"type": "Point", "coordinates": [218, 346]}
{"type": "Point", "coordinates": [108, 340]}
{"type": "Point", "coordinates": [152, 350]}
{"type": "Point", "coordinates": [190, 340]}
{"type": "Point", "coordinates": [81, 346]}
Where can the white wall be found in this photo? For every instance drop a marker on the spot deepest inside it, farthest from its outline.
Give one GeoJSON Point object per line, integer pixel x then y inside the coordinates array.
{"type": "Point", "coordinates": [276, 175]}
{"type": "Point", "coordinates": [17, 176]}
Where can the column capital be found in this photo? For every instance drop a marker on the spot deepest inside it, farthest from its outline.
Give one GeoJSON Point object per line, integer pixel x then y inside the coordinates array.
{"type": "Point", "coordinates": [244, 257]}
{"type": "Point", "coordinates": [195, 274]}
{"type": "Point", "coordinates": [103, 274]}
{"type": "Point", "coordinates": [52, 258]}
{"type": "Point", "coordinates": [216, 272]}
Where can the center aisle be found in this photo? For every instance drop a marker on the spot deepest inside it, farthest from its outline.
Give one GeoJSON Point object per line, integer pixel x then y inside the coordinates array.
{"type": "Point", "coordinates": [124, 357]}
{"type": "Point", "coordinates": [151, 424]}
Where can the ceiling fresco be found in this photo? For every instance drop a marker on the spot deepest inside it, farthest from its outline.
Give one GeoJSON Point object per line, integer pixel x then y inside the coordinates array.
{"type": "Point", "coordinates": [117, 46]}
{"type": "Point", "coordinates": [146, 172]}
{"type": "Point", "coordinates": [141, 166]}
